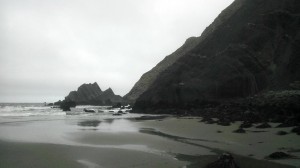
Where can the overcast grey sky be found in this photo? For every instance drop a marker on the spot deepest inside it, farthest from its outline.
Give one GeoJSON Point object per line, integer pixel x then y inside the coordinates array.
{"type": "Point", "coordinates": [50, 47]}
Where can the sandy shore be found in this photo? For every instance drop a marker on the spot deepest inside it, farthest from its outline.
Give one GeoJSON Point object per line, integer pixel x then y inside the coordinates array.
{"type": "Point", "coordinates": [94, 141]}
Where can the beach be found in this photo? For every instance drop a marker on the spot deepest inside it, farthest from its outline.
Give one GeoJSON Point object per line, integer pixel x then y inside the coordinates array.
{"type": "Point", "coordinates": [136, 140]}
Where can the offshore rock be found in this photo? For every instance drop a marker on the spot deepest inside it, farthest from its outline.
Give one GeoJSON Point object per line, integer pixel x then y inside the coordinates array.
{"type": "Point", "coordinates": [91, 94]}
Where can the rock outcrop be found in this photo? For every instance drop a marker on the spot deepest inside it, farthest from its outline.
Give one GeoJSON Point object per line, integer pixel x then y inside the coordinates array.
{"type": "Point", "coordinates": [252, 46]}
{"type": "Point", "coordinates": [91, 94]}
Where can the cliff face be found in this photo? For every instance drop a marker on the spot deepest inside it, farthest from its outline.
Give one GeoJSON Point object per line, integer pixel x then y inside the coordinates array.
{"type": "Point", "coordinates": [149, 77]}
{"type": "Point", "coordinates": [252, 46]}
{"type": "Point", "coordinates": [91, 94]}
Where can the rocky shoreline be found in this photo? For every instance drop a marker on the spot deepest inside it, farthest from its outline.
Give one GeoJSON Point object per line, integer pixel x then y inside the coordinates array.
{"type": "Point", "coordinates": [280, 106]}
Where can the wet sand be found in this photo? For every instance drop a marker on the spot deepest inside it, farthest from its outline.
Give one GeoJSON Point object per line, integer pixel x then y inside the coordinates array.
{"type": "Point", "coordinates": [94, 141]}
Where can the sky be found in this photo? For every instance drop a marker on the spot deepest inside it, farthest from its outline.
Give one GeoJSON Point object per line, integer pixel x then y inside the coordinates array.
{"type": "Point", "coordinates": [50, 47]}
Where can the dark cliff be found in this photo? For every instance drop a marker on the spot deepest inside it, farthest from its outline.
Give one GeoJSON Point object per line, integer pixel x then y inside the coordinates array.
{"type": "Point", "coordinates": [251, 47]}
{"type": "Point", "coordinates": [149, 77]}
{"type": "Point", "coordinates": [91, 94]}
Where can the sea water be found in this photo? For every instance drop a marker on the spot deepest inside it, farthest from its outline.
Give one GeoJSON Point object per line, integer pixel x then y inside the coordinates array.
{"type": "Point", "coordinates": [27, 110]}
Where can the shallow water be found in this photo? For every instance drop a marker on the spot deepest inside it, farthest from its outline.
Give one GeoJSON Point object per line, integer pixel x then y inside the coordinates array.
{"type": "Point", "coordinates": [161, 139]}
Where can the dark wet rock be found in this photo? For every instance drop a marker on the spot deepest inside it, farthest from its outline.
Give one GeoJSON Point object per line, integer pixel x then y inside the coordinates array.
{"type": "Point", "coordinates": [240, 130]}
{"type": "Point", "coordinates": [279, 155]}
{"type": "Point", "coordinates": [264, 125]}
{"type": "Point", "coordinates": [281, 133]}
{"type": "Point", "coordinates": [66, 105]}
{"type": "Point", "coordinates": [296, 130]}
{"type": "Point", "coordinates": [291, 122]}
{"type": "Point", "coordinates": [246, 125]}
{"type": "Point", "coordinates": [89, 123]}
{"type": "Point", "coordinates": [50, 104]}
{"type": "Point", "coordinates": [226, 160]}
{"type": "Point", "coordinates": [117, 105]}
{"type": "Point", "coordinates": [121, 112]}
{"type": "Point", "coordinates": [89, 110]}
{"type": "Point", "coordinates": [91, 94]}
{"type": "Point", "coordinates": [57, 103]}
{"type": "Point", "coordinates": [224, 122]}
{"type": "Point", "coordinates": [142, 118]}
{"type": "Point", "coordinates": [208, 121]}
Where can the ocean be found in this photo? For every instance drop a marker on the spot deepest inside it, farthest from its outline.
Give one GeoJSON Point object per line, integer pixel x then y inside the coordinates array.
{"type": "Point", "coordinates": [27, 110]}
{"type": "Point", "coordinates": [39, 109]}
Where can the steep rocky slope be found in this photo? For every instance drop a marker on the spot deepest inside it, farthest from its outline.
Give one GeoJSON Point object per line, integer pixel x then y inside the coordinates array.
{"type": "Point", "coordinates": [91, 94]}
{"type": "Point", "coordinates": [149, 77]}
{"type": "Point", "coordinates": [253, 46]}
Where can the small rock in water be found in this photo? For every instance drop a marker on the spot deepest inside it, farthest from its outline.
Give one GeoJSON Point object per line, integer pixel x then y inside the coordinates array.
{"type": "Point", "coordinates": [264, 125]}
{"type": "Point", "coordinates": [225, 161]}
{"type": "Point", "coordinates": [240, 130]}
{"type": "Point", "coordinates": [279, 155]}
{"type": "Point", "coordinates": [281, 133]}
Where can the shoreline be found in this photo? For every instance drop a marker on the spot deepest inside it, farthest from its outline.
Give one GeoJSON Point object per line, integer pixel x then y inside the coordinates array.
{"type": "Point", "coordinates": [157, 142]}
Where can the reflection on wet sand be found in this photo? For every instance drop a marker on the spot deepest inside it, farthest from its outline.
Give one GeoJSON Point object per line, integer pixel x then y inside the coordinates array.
{"type": "Point", "coordinates": [89, 123]}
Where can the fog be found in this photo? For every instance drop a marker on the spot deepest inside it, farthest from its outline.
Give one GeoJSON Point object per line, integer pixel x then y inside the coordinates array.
{"type": "Point", "coordinates": [50, 47]}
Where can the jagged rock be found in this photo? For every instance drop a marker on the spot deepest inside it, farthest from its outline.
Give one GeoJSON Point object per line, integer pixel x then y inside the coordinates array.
{"type": "Point", "coordinates": [91, 94]}
{"type": "Point", "coordinates": [264, 125]}
{"type": "Point", "coordinates": [279, 155]}
{"type": "Point", "coordinates": [225, 161]}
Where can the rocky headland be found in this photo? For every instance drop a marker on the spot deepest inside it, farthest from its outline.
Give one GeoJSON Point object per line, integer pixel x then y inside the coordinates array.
{"type": "Point", "coordinates": [90, 94]}
{"type": "Point", "coordinates": [244, 66]}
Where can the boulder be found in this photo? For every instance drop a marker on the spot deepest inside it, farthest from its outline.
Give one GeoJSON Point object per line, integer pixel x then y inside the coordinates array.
{"type": "Point", "coordinates": [264, 125]}
{"type": "Point", "coordinates": [225, 161]}
{"type": "Point", "coordinates": [246, 125]}
{"type": "Point", "coordinates": [66, 105]}
{"type": "Point", "coordinates": [279, 155]}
